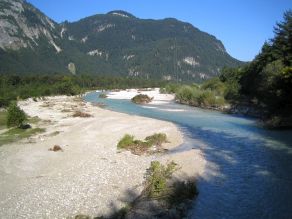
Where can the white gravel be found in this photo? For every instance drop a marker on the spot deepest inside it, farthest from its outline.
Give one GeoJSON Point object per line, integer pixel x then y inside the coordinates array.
{"type": "Point", "coordinates": [90, 177]}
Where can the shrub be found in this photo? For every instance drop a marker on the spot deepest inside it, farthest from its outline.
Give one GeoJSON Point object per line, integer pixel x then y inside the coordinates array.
{"type": "Point", "coordinates": [15, 116]}
{"type": "Point", "coordinates": [207, 98]}
{"type": "Point", "coordinates": [170, 89]}
{"type": "Point", "coordinates": [67, 88]}
{"type": "Point", "coordinates": [82, 216]}
{"type": "Point", "coordinates": [182, 191]}
{"type": "Point", "coordinates": [102, 95]}
{"type": "Point", "coordinates": [161, 186]}
{"type": "Point", "coordinates": [194, 96]}
{"type": "Point", "coordinates": [162, 90]}
{"type": "Point", "coordinates": [141, 99]}
{"type": "Point", "coordinates": [126, 141]}
{"type": "Point", "coordinates": [215, 85]}
{"type": "Point", "coordinates": [139, 147]}
{"type": "Point", "coordinates": [4, 101]}
{"type": "Point", "coordinates": [156, 139]}
{"type": "Point", "coordinates": [185, 94]}
{"type": "Point", "coordinates": [156, 178]}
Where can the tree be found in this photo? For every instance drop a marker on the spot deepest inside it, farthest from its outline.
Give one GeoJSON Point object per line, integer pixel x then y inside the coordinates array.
{"type": "Point", "coordinates": [15, 116]}
{"type": "Point", "coordinates": [231, 78]}
{"type": "Point", "coordinates": [283, 39]}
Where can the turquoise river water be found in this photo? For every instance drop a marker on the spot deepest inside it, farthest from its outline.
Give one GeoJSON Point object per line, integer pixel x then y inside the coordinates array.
{"type": "Point", "coordinates": [249, 169]}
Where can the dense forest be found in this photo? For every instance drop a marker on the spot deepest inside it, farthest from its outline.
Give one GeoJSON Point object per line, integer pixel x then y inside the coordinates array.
{"type": "Point", "coordinates": [261, 88]}
{"type": "Point", "coordinates": [14, 87]}
{"type": "Point", "coordinates": [266, 82]}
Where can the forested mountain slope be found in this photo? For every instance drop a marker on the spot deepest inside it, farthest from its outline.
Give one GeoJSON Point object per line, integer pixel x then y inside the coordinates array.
{"type": "Point", "coordinates": [116, 43]}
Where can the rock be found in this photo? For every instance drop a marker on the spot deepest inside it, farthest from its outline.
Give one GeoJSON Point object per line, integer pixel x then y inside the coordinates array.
{"type": "Point", "coordinates": [72, 68]}
{"type": "Point", "coordinates": [141, 99]}
{"type": "Point", "coordinates": [56, 148]}
{"type": "Point", "coordinates": [25, 126]}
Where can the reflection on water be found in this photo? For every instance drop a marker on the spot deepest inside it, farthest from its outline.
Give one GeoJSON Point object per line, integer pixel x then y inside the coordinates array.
{"type": "Point", "coordinates": [248, 174]}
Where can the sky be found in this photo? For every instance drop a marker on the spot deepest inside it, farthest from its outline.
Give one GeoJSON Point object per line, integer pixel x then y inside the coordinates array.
{"type": "Point", "coordinates": [242, 25]}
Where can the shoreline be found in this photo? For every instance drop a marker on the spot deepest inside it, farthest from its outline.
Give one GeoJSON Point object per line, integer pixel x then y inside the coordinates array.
{"type": "Point", "coordinates": [90, 176]}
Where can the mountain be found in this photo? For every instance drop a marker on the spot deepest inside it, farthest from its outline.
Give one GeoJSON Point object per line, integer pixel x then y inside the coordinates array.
{"type": "Point", "coordinates": [29, 40]}
{"type": "Point", "coordinates": [116, 43]}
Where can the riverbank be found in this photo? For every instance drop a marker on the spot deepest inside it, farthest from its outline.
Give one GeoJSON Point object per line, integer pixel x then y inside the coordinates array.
{"type": "Point", "coordinates": [90, 176]}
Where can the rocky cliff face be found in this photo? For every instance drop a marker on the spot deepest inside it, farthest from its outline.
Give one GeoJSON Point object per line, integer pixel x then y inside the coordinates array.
{"type": "Point", "coordinates": [22, 25]}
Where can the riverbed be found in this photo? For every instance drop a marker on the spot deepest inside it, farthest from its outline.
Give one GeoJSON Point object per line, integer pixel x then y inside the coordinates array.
{"type": "Point", "coordinates": [248, 172]}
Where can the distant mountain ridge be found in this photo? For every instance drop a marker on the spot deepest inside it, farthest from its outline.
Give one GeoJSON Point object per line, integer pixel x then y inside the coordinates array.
{"type": "Point", "coordinates": [116, 43]}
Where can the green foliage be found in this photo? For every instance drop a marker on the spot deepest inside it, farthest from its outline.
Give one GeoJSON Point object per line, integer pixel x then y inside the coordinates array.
{"type": "Point", "coordinates": [120, 214]}
{"type": "Point", "coordinates": [67, 88]}
{"type": "Point", "coordinates": [266, 82]}
{"type": "Point", "coordinates": [207, 98]}
{"type": "Point", "coordinates": [3, 119]}
{"type": "Point", "coordinates": [282, 42]}
{"type": "Point", "coordinates": [182, 191]}
{"type": "Point", "coordinates": [215, 85]}
{"type": "Point", "coordinates": [34, 119]}
{"type": "Point", "coordinates": [186, 94]}
{"type": "Point", "coordinates": [13, 87]}
{"type": "Point", "coordinates": [16, 134]}
{"type": "Point", "coordinates": [139, 147]}
{"type": "Point", "coordinates": [230, 78]}
{"type": "Point", "coordinates": [102, 95]}
{"type": "Point", "coordinates": [126, 142]}
{"type": "Point", "coordinates": [156, 139]}
{"type": "Point", "coordinates": [15, 116]}
{"type": "Point", "coordinates": [82, 216]}
{"type": "Point", "coordinates": [170, 88]}
{"type": "Point", "coordinates": [31, 17]}
{"type": "Point", "coordinates": [207, 95]}
{"type": "Point", "coordinates": [141, 99]}
{"type": "Point", "coordinates": [156, 178]}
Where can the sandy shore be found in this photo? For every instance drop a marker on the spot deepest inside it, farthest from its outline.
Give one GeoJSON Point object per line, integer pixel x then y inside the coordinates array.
{"type": "Point", "coordinates": [90, 176]}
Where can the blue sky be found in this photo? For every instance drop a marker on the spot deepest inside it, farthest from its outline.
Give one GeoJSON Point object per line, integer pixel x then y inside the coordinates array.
{"type": "Point", "coordinates": [242, 25]}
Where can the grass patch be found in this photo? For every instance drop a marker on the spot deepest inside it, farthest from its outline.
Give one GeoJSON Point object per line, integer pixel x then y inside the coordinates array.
{"type": "Point", "coordinates": [138, 147]}
{"type": "Point", "coordinates": [3, 118]}
{"type": "Point", "coordinates": [34, 120]}
{"type": "Point", "coordinates": [16, 134]}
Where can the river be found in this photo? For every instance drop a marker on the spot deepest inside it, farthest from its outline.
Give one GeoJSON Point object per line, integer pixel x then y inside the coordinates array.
{"type": "Point", "coordinates": [249, 169]}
